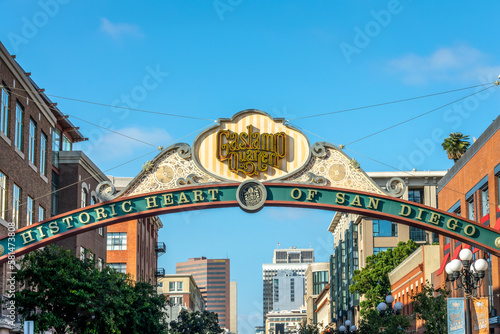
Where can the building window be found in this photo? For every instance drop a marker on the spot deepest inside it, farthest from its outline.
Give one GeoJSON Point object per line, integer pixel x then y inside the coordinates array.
{"type": "Point", "coordinates": [385, 228]}
{"type": "Point", "coordinates": [84, 198]}
{"type": "Point", "coordinates": [41, 213]}
{"type": "Point", "coordinates": [55, 194]}
{"type": "Point", "coordinates": [4, 111]}
{"type": "Point", "coordinates": [470, 208]}
{"type": "Point", "coordinates": [175, 286]}
{"type": "Point", "coordinates": [117, 241]}
{"type": "Point", "coordinates": [119, 267]}
{"type": "Point", "coordinates": [377, 250]}
{"type": "Point", "coordinates": [43, 154]}
{"type": "Point", "coordinates": [16, 201]}
{"type": "Point", "coordinates": [416, 195]}
{"type": "Point", "coordinates": [31, 142]}
{"type": "Point", "coordinates": [56, 140]}
{"type": "Point", "coordinates": [320, 280]}
{"type": "Point", "coordinates": [19, 127]}
{"type": "Point", "coordinates": [66, 144]}
{"type": "Point", "coordinates": [176, 300]}
{"type": "Point", "coordinates": [3, 195]}
{"type": "Point", "coordinates": [82, 253]}
{"type": "Point", "coordinates": [485, 201]}
{"type": "Point", "coordinates": [417, 234]}
{"type": "Point", "coordinates": [100, 230]}
{"type": "Point", "coordinates": [99, 264]}
{"type": "Point", "coordinates": [30, 213]}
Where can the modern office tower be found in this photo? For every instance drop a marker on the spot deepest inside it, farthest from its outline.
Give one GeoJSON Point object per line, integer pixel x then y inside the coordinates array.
{"type": "Point", "coordinates": [233, 312]}
{"type": "Point", "coordinates": [357, 237]}
{"type": "Point", "coordinates": [133, 247]}
{"type": "Point", "coordinates": [285, 260]}
{"type": "Point", "coordinates": [317, 277]}
{"type": "Point", "coordinates": [288, 290]}
{"type": "Point", "coordinates": [212, 277]}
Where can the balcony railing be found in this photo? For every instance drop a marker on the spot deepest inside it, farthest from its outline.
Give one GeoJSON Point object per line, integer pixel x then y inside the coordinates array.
{"type": "Point", "coordinates": [160, 272]}
{"type": "Point", "coordinates": [160, 247]}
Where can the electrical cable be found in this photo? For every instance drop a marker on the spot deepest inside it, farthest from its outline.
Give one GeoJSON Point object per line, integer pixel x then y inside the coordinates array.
{"type": "Point", "coordinates": [391, 102]}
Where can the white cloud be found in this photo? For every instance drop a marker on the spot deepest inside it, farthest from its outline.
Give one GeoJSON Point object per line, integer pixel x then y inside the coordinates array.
{"type": "Point", "coordinates": [457, 63]}
{"type": "Point", "coordinates": [106, 146]}
{"type": "Point", "coordinates": [117, 30]}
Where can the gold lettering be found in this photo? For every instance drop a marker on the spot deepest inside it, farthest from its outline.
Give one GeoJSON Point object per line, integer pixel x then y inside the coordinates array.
{"type": "Point", "coordinates": [340, 198]}
{"type": "Point", "coordinates": [113, 211]}
{"type": "Point", "coordinates": [182, 199]}
{"type": "Point", "coordinates": [81, 219]}
{"type": "Point", "coordinates": [267, 143]}
{"type": "Point", "coordinates": [356, 201]}
{"type": "Point", "coordinates": [40, 232]}
{"type": "Point", "coordinates": [67, 221]}
{"type": "Point", "coordinates": [198, 196]}
{"type": "Point", "coordinates": [419, 216]}
{"type": "Point", "coordinates": [212, 193]}
{"type": "Point", "coordinates": [405, 210]}
{"type": "Point", "coordinates": [167, 199]}
{"type": "Point", "coordinates": [434, 219]}
{"type": "Point", "coordinates": [467, 227]}
{"type": "Point", "coordinates": [27, 237]}
{"type": "Point", "coordinates": [311, 194]}
{"type": "Point", "coordinates": [129, 203]}
{"type": "Point", "coordinates": [452, 224]}
{"type": "Point", "coordinates": [53, 227]}
{"type": "Point", "coordinates": [373, 203]}
{"type": "Point", "coordinates": [100, 213]}
{"type": "Point", "coordinates": [151, 202]}
{"type": "Point", "coordinates": [296, 190]}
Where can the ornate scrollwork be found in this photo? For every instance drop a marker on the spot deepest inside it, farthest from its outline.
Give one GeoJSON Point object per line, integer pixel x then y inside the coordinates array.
{"type": "Point", "coordinates": [396, 187]}
{"type": "Point", "coordinates": [318, 149]}
{"type": "Point", "coordinates": [190, 179]}
{"type": "Point", "coordinates": [106, 191]}
{"type": "Point", "coordinates": [316, 180]}
{"type": "Point", "coordinates": [184, 151]}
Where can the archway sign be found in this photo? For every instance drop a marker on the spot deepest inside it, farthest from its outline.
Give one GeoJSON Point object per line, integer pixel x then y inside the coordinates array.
{"type": "Point", "coordinates": [251, 160]}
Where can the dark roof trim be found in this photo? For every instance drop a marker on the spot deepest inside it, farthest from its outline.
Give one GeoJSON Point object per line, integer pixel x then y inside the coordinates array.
{"type": "Point", "coordinates": [454, 207]}
{"type": "Point", "coordinates": [473, 149]}
{"type": "Point", "coordinates": [480, 184]}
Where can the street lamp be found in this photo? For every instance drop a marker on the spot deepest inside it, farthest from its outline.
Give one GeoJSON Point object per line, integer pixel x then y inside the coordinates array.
{"type": "Point", "coordinates": [387, 310]}
{"type": "Point", "coordinates": [468, 277]}
{"type": "Point", "coordinates": [348, 328]}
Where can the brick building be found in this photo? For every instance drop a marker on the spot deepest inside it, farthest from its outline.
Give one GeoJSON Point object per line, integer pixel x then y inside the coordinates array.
{"type": "Point", "coordinates": [132, 246]}
{"type": "Point", "coordinates": [471, 189]}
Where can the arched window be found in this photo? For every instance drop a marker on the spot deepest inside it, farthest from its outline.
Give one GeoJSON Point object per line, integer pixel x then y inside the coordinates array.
{"type": "Point", "coordinates": [85, 194]}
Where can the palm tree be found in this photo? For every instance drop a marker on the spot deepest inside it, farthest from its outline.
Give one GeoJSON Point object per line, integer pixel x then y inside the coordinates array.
{"type": "Point", "coordinates": [456, 145]}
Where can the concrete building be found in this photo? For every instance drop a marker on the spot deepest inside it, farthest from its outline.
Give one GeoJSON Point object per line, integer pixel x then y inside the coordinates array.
{"type": "Point", "coordinates": [213, 278]}
{"type": "Point", "coordinates": [133, 246]}
{"type": "Point", "coordinates": [357, 237]}
{"type": "Point", "coordinates": [411, 275]}
{"type": "Point", "coordinates": [233, 312]}
{"type": "Point", "coordinates": [284, 322]}
{"type": "Point", "coordinates": [471, 189]}
{"type": "Point", "coordinates": [317, 277]}
{"type": "Point", "coordinates": [291, 259]}
{"type": "Point", "coordinates": [182, 290]}
{"type": "Point", "coordinates": [323, 309]}
{"type": "Point", "coordinates": [288, 290]}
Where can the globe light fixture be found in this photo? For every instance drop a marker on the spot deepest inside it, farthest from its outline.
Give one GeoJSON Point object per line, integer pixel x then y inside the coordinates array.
{"type": "Point", "coordinates": [466, 276]}
{"type": "Point", "coordinates": [383, 307]}
{"type": "Point", "coordinates": [348, 328]}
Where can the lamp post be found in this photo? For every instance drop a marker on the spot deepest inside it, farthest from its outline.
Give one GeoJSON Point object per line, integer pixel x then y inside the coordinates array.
{"type": "Point", "coordinates": [468, 277]}
{"type": "Point", "coordinates": [387, 310]}
{"type": "Point", "coordinates": [348, 328]}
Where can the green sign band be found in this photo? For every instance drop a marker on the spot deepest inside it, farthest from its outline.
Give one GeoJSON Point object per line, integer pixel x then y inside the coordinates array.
{"type": "Point", "coordinates": [29, 238]}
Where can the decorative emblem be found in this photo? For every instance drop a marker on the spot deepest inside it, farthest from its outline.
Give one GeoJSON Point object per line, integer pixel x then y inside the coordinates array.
{"type": "Point", "coordinates": [251, 195]}
{"type": "Point", "coordinates": [2, 250]}
{"type": "Point", "coordinates": [497, 242]}
{"type": "Point", "coordinates": [396, 187]}
{"type": "Point", "coordinates": [164, 174]}
{"type": "Point", "coordinates": [337, 172]}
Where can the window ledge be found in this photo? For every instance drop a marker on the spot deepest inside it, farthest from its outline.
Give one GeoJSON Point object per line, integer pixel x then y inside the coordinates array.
{"type": "Point", "coordinates": [33, 166]}
{"type": "Point", "coordinates": [21, 154]}
{"type": "Point", "coordinates": [4, 223]}
{"type": "Point", "coordinates": [4, 137]}
{"type": "Point", "coordinates": [44, 178]}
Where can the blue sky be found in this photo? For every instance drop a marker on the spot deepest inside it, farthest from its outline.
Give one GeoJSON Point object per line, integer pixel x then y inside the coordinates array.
{"type": "Point", "coordinates": [292, 59]}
